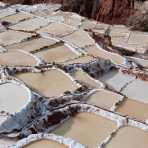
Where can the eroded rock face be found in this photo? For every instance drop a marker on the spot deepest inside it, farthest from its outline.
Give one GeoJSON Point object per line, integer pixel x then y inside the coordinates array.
{"type": "Point", "coordinates": [115, 11]}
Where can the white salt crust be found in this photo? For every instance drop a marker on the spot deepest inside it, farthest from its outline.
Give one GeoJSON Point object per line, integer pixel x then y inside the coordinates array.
{"type": "Point", "coordinates": [120, 120]}
{"type": "Point", "coordinates": [60, 139]}
{"type": "Point", "coordinates": [36, 7]}
{"type": "Point", "coordinates": [100, 84]}
{"type": "Point", "coordinates": [70, 77]}
{"type": "Point", "coordinates": [2, 5]}
{"type": "Point", "coordinates": [115, 105]}
{"type": "Point", "coordinates": [38, 60]}
{"type": "Point", "coordinates": [2, 49]}
{"type": "Point", "coordinates": [21, 84]}
{"type": "Point", "coordinates": [105, 141]}
{"type": "Point", "coordinates": [73, 49]}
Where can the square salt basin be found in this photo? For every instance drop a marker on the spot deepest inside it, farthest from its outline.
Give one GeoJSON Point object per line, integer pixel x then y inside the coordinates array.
{"type": "Point", "coordinates": [104, 98]}
{"type": "Point", "coordinates": [57, 29]}
{"type": "Point", "coordinates": [68, 18]}
{"type": "Point", "coordinates": [100, 52]}
{"type": "Point", "coordinates": [32, 45]}
{"type": "Point", "coordinates": [6, 12]}
{"type": "Point", "coordinates": [45, 144]}
{"type": "Point", "coordinates": [15, 18]}
{"type": "Point", "coordinates": [3, 118]}
{"type": "Point", "coordinates": [137, 90]}
{"type": "Point", "coordinates": [17, 58]}
{"type": "Point", "coordinates": [140, 61]}
{"type": "Point", "coordinates": [10, 37]}
{"type": "Point", "coordinates": [134, 109]}
{"type": "Point", "coordinates": [85, 79]}
{"type": "Point", "coordinates": [50, 83]}
{"type": "Point", "coordinates": [120, 31]}
{"type": "Point", "coordinates": [7, 143]}
{"type": "Point", "coordinates": [57, 54]}
{"type": "Point", "coordinates": [80, 60]}
{"type": "Point", "coordinates": [80, 39]}
{"type": "Point", "coordinates": [116, 80]}
{"type": "Point", "coordinates": [129, 137]}
{"type": "Point", "coordinates": [138, 38]}
{"type": "Point", "coordinates": [87, 128]}
{"type": "Point", "coordinates": [100, 28]}
{"type": "Point", "coordinates": [73, 20]}
{"type": "Point", "coordinates": [36, 23]}
{"type": "Point", "coordinates": [122, 42]}
{"type": "Point", "coordinates": [10, 101]}
{"type": "Point", "coordinates": [88, 24]}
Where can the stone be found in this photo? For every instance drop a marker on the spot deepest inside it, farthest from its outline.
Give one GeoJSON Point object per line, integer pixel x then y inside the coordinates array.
{"type": "Point", "coordinates": [85, 79]}
{"type": "Point", "coordinates": [80, 60]}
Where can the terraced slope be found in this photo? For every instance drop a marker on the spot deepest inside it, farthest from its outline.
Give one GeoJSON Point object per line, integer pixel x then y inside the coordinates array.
{"type": "Point", "coordinates": [67, 81]}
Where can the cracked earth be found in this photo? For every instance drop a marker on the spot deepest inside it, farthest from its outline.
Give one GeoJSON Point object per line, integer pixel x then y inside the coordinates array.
{"type": "Point", "coordinates": [67, 81]}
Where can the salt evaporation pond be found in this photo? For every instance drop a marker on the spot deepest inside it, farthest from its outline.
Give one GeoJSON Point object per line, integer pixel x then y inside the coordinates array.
{"type": "Point", "coordinates": [129, 137]}
{"type": "Point", "coordinates": [87, 128]}
{"type": "Point", "coordinates": [45, 144]}
{"type": "Point", "coordinates": [17, 58]}
{"type": "Point", "coordinates": [104, 98]}
{"type": "Point", "coordinates": [57, 54]}
{"type": "Point", "coordinates": [13, 97]}
{"type": "Point", "coordinates": [84, 78]}
{"type": "Point", "coordinates": [50, 83]}
{"type": "Point", "coordinates": [134, 109]}
{"type": "Point", "coordinates": [32, 45]}
{"type": "Point", "coordinates": [7, 143]}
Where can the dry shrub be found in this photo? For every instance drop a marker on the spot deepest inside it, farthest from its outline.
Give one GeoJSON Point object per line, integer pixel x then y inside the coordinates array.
{"type": "Point", "coordinates": [139, 20]}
